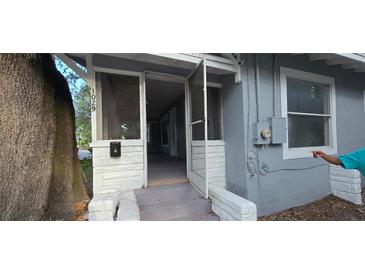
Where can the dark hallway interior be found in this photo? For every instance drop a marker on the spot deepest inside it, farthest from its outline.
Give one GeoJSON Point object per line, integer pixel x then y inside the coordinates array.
{"type": "Point", "coordinates": [166, 142]}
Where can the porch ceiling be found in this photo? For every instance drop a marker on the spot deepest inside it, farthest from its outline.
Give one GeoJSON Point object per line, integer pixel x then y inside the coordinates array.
{"type": "Point", "coordinates": [160, 95]}
{"type": "Point", "coordinates": [353, 61]}
{"type": "Point", "coordinates": [216, 64]}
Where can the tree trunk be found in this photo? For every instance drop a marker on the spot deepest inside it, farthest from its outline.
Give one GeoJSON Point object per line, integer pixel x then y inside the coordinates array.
{"type": "Point", "coordinates": [38, 170]}
{"type": "Point", "coordinates": [66, 186]}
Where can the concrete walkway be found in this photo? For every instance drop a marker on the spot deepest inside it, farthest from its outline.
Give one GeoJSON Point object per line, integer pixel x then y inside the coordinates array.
{"type": "Point", "coordinates": [179, 202]}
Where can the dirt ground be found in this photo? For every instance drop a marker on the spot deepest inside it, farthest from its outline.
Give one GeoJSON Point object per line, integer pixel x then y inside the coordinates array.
{"type": "Point", "coordinates": [329, 208]}
{"type": "Point", "coordinates": [81, 208]}
{"type": "Point", "coordinates": [81, 211]}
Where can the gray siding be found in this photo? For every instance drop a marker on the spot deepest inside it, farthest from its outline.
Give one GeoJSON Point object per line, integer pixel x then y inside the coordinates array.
{"type": "Point", "coordinates": [234, 135]}
{"type": "Point", "coordinates": [298, 181]}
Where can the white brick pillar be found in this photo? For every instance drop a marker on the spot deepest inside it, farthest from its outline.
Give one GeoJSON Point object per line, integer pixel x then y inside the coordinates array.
{"type": "Point", "coordinates": [346, 184]}
{"type": "Point", "coordinates": [231, 207]}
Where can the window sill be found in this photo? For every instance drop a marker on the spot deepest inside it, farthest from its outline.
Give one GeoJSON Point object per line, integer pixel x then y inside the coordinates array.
{"type": "Point", "coordinates": [305, 152]}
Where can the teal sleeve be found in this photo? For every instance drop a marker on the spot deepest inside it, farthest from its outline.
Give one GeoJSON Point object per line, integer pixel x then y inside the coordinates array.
{"type": "Point", "coordinates": [349, 161]}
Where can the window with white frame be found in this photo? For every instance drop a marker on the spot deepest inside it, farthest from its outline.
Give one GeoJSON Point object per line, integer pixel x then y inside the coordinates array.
{"type": "Point", "coordinates": [308, 103]}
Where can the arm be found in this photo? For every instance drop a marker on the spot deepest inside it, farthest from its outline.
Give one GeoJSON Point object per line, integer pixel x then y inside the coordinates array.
{"type": "Point", "coordinates": [328, 158]}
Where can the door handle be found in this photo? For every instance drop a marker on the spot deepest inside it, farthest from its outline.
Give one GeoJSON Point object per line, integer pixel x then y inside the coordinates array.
{"type": "Point", "coordinates": [197, 122]}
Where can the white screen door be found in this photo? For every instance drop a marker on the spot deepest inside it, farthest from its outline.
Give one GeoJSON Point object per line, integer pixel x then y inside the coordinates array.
{"type": "Point", "coordinates": [198, 129]}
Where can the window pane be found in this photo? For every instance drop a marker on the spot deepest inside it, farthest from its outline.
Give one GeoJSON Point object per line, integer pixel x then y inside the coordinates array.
{"type": "Point", "coordinates": [307, 97]}
{"type": "Point", "coordinates": [120, 106]}
{"type": "Point", "coordinates": [307, 131]}
{"type": "Point", "coordinates": [214, 113]}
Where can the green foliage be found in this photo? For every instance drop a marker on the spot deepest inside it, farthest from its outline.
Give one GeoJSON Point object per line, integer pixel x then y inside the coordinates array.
{"type": "Point", "coordinates": [75, 83]}
{"type": "Point", "coordinates": [86, 166]}
{"type": "Point", "coordinates": [81, 100]}
{"type": "Point", "coordinates": [83, 117]}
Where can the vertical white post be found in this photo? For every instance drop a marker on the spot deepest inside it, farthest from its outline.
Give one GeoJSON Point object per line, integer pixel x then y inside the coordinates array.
{"type": "Point", "coordinates": [205, 124]}
{"type": "Point", "coordinates": [144, 126]}
{"type": "Point", "coordinates": [187, 128]}
{"type": "Point", "coordinates": [94, 104]}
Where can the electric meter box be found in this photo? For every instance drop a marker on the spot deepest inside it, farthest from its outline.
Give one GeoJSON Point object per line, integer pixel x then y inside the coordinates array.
{"type": "Point", "coordinates": [259, 137]}
{"type": "Point", "coordinates": [278, 130]}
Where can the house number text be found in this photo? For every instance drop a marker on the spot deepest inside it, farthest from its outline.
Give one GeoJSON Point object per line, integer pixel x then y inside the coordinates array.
{"type": "Point", "coordinates": [93, 101]}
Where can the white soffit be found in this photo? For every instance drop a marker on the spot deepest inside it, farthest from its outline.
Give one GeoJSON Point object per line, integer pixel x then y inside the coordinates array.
{"type": "Point", "coordinates": [215, 64]}
{"type": "Point", "coordinates": [354, 61]}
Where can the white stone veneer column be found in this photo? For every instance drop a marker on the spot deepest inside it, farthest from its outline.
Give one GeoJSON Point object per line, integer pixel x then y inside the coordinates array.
{"type": "Point", "coordinates": [346, 184]}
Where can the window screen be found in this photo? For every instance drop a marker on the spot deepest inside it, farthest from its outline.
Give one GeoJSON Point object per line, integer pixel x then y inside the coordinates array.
{"type": "Point", "coordinates": [308, 113]}
{"type": "Point", "coordinates": [214, 114]}
{"type": "Point", "coordinates": [197, 103]}
{"type": "Point", "coordinates": [213, 111]}
{"type": "Point", "coordinates": [120, 106]}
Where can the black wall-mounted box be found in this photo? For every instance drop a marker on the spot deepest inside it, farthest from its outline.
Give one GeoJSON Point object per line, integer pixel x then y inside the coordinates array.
{"type": "Point", "coordinates": [114, 149]}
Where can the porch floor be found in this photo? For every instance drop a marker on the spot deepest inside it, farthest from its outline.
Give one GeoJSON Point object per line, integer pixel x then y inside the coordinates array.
{"type": "Point", "coordinates": [165, 170]}
{"type": "Point", "coordinates": [180, 202]}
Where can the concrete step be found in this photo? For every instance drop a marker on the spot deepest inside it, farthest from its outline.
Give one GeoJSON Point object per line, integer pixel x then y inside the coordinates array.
{"type": "Point", "coordinates": [201, 217]}
{"type": "Point", "coordinates": [171, 211]}
{"type": "Point", "coordinates": [153, 195]}
{"type": "Point", "coordinates": [173, 202]}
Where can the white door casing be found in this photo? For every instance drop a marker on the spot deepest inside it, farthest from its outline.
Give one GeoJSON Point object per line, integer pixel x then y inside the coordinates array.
{"type": "Point", "coordinates": [198, 177]}
{"type": "Point", "coordinates": [172, 78]}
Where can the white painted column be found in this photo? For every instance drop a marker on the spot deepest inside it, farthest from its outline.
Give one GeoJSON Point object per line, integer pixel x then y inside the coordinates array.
{"type": "Point", "coordinates": [92, 86]}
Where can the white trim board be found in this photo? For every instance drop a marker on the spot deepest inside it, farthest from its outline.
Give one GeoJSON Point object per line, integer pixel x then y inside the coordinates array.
{"type": "Point", "coordinates": [144, 124]}
{"type": "Point", "coordinates": [94, 102]}
{"type": "Point", "coordinates": [165, 77]}
{"type": "Point", "coordinates": [305, 152]}
{"type": "Point", "coordinates": [118, 71]}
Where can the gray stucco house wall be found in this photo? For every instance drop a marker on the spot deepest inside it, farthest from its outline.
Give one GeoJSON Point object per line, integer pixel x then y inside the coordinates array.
{"type": "Point", "coordinates": [275, 184]}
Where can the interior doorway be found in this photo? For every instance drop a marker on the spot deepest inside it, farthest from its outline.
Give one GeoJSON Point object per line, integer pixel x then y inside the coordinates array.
{"type": "Point", "coordinates": [166, 131]}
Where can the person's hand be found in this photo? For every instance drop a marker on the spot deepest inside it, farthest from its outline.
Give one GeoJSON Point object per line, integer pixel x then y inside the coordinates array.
{"type": "Point", "coordinates": [318, 154]}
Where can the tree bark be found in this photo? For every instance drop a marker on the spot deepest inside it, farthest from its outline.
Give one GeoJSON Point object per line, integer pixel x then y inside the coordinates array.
{"type": "Point", "coordinates": [66, 185]}
{"type": "Point", "coordinates": [37, 141]}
